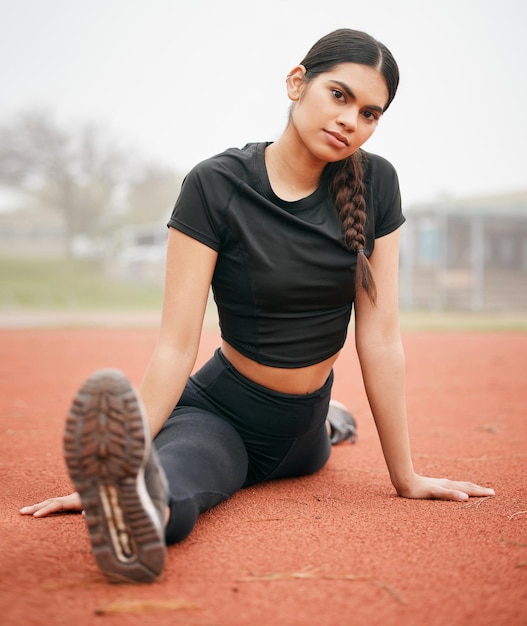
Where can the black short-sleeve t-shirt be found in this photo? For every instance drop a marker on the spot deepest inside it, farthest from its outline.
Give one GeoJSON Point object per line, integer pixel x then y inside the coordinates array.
{"type": "Point", "coordinates": [284, 281]}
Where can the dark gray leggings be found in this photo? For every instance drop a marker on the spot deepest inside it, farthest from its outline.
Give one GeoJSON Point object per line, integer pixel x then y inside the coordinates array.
{"type": "Point", "coordinates": [227, 432]}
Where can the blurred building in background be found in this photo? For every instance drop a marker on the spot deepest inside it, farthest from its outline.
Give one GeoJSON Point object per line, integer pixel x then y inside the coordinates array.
{"type": "Point", "coordinates": [142, 254]}
{"type": "Point", "coordinates": [466, 254]}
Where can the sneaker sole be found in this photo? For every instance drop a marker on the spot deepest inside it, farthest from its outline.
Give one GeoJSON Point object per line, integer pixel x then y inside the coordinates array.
{"type": "Point", "coordinates": [106, 449]}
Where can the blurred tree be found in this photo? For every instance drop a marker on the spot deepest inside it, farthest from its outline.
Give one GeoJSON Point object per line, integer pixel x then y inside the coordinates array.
{"type": "Point", "coordinates": [152, 194]}
{"type": "Point", "coordinates": [81, 174]}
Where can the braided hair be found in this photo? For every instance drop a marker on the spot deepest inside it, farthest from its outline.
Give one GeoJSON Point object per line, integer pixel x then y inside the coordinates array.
{"type": "Point", "coordinates": [346, 177]}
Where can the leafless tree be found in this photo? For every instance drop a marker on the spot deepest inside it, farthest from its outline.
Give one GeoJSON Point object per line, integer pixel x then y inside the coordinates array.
{"type": "Point", "coordinates": [151, 195]}
{"type": "Point", "coordinates": [80, 173]}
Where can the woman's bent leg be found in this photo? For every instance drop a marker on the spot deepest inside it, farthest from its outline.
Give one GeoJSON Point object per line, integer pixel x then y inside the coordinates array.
{"type": "Point", "coordinates": [205, 462]}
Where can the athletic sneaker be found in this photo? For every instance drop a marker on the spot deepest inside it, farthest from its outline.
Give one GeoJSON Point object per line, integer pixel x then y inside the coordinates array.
{"type": "Point", "coordinates": [123, 489]}
{"type": "Point", "coordinates": [342, 424]}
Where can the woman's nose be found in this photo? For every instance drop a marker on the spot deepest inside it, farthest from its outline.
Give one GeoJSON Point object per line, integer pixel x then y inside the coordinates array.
{"type": "Point", "coordinates": [349, 118]}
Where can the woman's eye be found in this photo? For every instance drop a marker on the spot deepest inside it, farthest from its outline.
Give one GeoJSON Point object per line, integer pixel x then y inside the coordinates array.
{"type": "Point", "coordinates": [337, 94]}
{"type": "Point", "coordinates": [371, 116]}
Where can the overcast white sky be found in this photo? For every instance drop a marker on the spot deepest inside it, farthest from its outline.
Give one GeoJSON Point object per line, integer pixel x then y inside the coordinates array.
{"type": "Point", "coordinates": [181, 80]}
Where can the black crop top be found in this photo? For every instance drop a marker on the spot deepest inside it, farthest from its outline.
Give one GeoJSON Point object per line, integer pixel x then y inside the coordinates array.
{"type": "Point", "coordinates": [284, 280]}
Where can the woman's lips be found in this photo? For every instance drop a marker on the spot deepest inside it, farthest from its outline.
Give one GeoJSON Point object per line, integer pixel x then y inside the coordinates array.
{"type": "Point", "coordinates": [337, 139]}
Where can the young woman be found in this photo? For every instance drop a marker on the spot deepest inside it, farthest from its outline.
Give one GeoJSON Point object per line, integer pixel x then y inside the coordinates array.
{"type": "Point", "coordinates": [291, 235]}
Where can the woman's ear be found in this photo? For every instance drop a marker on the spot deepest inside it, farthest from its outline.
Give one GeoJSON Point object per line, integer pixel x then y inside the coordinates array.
{"type": "Point", "coordinates": [295, 82]}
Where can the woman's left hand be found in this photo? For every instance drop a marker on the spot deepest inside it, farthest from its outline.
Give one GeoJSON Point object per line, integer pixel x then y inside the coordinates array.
{"type": "Point", "coordinates": [424, 487]}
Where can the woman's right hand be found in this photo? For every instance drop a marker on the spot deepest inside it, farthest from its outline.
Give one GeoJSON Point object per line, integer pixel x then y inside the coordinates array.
{"type": "Point", "coordinates": [61, 504]}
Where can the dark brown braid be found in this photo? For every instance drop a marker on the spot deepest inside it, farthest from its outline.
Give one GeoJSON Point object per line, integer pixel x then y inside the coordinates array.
{"type": "Point", "coordinates": [346, 183]}
{"type": "Point", "coordinates": [346, 177]}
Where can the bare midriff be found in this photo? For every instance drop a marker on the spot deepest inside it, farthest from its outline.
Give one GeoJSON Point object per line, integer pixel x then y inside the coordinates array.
{"type": "Point", "coordinates": [297, 381]}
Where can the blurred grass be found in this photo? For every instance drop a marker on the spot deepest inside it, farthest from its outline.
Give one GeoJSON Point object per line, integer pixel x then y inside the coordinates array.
{"type": "Point", "coordinates": [52, 284]}
{"type": "Point", "coordinates": [33, 285]}
{"type": "Point", "coordinates": [445, 321]}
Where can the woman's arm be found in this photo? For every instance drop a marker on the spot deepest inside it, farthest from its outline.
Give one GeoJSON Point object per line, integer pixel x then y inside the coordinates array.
{"type": "Point", "coordinates": [190, 266]}
{"type": "Point", "coordinates": [381, 357]}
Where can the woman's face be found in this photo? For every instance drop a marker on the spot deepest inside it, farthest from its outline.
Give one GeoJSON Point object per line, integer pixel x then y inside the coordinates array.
{"type": "Point", "coordinates": [336, 112]}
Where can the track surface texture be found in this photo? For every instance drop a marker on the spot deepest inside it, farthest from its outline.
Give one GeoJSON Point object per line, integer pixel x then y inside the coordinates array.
{"type": "Point", "coordinates": [338, 548]}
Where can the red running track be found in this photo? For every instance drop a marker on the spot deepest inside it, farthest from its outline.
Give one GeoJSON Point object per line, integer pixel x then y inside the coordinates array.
{"type": "Point", "coordinates": [335, 549]}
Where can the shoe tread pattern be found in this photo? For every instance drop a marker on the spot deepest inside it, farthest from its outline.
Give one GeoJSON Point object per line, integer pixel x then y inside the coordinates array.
{"type": "Point", "coordinates": [105, 449]}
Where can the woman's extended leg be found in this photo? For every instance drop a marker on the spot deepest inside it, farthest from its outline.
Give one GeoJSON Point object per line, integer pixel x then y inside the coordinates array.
{"type": "Point", "coordinates": [205, 462]}
{"type": "Point", "coordinates": [122, 480]}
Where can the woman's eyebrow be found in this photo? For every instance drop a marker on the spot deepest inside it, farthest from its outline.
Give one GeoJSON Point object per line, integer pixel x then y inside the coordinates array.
{"type": "Point", "coordinates": [350, 93]}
